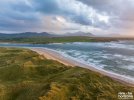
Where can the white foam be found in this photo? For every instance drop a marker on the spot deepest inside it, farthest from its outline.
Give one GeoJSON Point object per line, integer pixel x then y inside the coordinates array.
{"type": "Point", "coordinates": [129, 67]}
{"type": "Point", "coordinates": [119, 45]}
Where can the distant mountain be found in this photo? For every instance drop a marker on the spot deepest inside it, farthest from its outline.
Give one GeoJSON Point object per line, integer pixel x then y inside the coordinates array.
{"type": "Point", "coordinates": [25, 35]}
{"type": "Point", "coordinates": [79, 33]}
{"type": "Point", "coordinates": [43, 34]}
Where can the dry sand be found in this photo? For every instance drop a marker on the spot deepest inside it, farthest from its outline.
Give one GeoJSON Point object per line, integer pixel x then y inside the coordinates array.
{"type": "Point", "coordinates": [51, 54]}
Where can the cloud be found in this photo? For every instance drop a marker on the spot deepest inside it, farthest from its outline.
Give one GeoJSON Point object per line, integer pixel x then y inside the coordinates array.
{"type": "Point", "coordinates": [17, 16]}
{"type": "Point", "coordinates": [71, 9]}
{"type": "Point", "coordinates": [120, 12]}
{"type": "Point", "coordinates": [21, 13]}
{"type": "Point", "coordinates": [109, 16]}
{"type": "Point", "coordinates": [46, 6]}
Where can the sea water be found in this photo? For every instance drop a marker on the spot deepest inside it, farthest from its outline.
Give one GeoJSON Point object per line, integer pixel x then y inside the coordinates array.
{"type": "Point", "coordinates": [117, 57]}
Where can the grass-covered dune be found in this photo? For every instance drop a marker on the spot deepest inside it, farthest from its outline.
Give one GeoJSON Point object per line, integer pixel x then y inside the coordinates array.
{"type": "Point", "coordinates": [25, 75]}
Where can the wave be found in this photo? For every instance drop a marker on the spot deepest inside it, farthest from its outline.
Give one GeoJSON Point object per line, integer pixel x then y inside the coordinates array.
{"type": "Point", "coordinates": [99, 67]}
{"type": "Point", "coordinates": [119, 45]}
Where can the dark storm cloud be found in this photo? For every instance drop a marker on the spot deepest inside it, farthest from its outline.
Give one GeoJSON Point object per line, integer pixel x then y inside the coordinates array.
{"type": "Point", "coordinates": [59, 7]}
{"type": "Point", "coordinates": [16, 15]}
{"type": "Point", "coordinates": [116, 9]}
{"type": "Point", "coordinates": [108, 6]}
{"type": "Point", "coordinates": [82, 20]}
{"type": "Point", "coordinates": [46, 6]}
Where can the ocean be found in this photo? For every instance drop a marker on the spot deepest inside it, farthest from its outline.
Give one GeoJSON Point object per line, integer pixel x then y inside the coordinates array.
{"type": "Point", "coordinates": [116, 57]}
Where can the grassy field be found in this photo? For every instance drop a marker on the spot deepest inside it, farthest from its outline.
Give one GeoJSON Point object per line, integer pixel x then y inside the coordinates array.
{"type": "Point", "coordinates": [43, 40]}
{"type": "Point", "coordinates": [25, 75]}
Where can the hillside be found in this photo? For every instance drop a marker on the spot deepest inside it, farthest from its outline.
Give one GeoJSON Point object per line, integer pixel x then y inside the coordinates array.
{"type": "Point", "coordinates": [25, 75]}
{"type": "Point", "coordinates": [43, 38]}
{"type": "Point", "coordinates": [4, 36]}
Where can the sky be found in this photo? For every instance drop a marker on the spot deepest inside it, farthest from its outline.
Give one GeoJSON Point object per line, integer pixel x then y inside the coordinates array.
{"type": "Point", "coordinates": [100, 17]}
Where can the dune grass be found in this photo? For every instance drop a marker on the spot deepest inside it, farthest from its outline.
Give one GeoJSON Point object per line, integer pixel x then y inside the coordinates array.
{"type": "Point", "coordinates": [25, 75]}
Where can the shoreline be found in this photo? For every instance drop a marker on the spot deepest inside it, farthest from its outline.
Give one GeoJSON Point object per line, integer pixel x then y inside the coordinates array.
{"type": "Point", "coordinates": [52, 54]}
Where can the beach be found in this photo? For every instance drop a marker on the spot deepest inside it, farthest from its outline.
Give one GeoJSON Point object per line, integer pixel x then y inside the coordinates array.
{"type": "Point", "coordinates": [52, 54]}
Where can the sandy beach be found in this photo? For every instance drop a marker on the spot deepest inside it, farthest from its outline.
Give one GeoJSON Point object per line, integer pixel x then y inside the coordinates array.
{"type": "Point", "coordinates": [51, 54]}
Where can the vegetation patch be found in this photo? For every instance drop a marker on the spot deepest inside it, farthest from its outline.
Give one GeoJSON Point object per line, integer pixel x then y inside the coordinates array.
{"type": "Point", "coordinates": [25, 75]}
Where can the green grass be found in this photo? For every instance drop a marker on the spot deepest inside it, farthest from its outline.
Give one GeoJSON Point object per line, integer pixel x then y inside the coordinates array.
{"type": "Point", "coordinates": [44, 40]}
{"type": "Point", "coordinates": [25, 75]}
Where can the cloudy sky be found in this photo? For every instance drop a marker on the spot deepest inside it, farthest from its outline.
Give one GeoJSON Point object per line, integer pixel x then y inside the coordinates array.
{"type": "Point", "coordinates": [101, 17]}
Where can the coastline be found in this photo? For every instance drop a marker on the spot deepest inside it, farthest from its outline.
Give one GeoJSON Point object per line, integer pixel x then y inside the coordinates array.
{"type": "Point", "coordinates": [52, 54]}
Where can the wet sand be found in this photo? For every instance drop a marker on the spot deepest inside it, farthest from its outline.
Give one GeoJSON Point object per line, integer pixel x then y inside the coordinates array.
{"type": "Point", "coordinates": [51, 54]}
